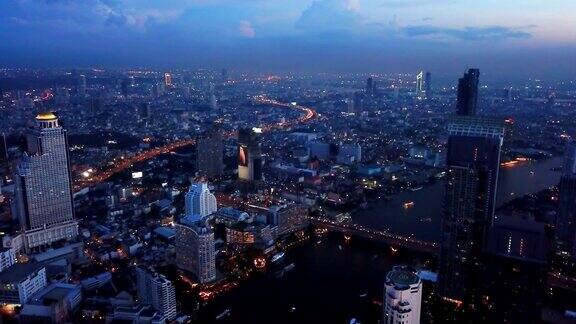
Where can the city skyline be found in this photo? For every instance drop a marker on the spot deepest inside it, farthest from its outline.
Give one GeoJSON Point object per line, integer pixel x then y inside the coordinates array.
{"type": "Point", "coordinates": [305, 161]}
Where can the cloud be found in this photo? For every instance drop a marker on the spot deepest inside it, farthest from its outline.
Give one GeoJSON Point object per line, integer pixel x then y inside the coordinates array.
{"type": "Point", "coordinates": [330, 15]}
{"type": "Point", "coordinates": [246, 29]}
{"type": "Point", "coordinates": [413, 3]}
{"type": "Point", "coordinates": [466, 33]}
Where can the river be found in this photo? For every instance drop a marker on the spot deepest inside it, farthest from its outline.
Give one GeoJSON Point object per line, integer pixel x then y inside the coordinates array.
{"type": "Point", "coordinates": [423, 220]}
{"type": "Point", "coordinates": [330, 278]}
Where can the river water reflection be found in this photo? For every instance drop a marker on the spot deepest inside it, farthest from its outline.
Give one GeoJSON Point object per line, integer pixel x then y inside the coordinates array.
{"type": "Point", "coordinates": [423, 219]}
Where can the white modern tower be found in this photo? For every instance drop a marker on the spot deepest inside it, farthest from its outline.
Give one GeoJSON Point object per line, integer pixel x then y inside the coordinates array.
{"type": "Point", "coordinates": [402, 296]}
{"type": "Point", "coordinates": [154, 289]}
{"type": "Point", "coordinates": [195, 250]}
{"type": "Point", "coordinates": [200, 201]}
{"type": "Point", "coordinates": [43, 192]}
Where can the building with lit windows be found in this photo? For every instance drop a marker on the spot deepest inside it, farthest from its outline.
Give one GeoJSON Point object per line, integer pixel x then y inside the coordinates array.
{"type": "Point", "coordinates": [167, 79]}
{"type": "Point", "coordinates": [473, 161]}
{"type": "Point", "coordinates": [210, 154]}
{"type": "Point", "coordinates": [7, 258]}
{"type": "Point", "coordinates": [157, 291]}
{"type": "Point", "coordinates": [402, 297]}
{"type": "Point", "coordinates": [43, 191]}
{"type": "Point", "coordinates": [199, 201]}
{"type": "Point", "coordinates": [20, 281]}
{"type": "Point", "coordinates": [195, 251]}
{"type": "Point", "coordinates": [566, 221]}
{"type": "Point", "coordinates": [249, 155]}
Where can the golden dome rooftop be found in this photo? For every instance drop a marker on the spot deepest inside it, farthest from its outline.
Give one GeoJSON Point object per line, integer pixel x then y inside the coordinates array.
{"type": "Point", "coordinates": [47, 115]}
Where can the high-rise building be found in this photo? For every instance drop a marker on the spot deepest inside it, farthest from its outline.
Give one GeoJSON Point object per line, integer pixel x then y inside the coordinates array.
{"type": "Point", "coordinates": [144, 110]}
{"type": "Point", "coordinates": [158, 89]}
{"type": "Point", "coordinates": [428, 85]}
{"type": "Point", "coordinates": [420, 89]}
{"type": "Point", "coordinates": [200, 201]}
{"type": "Point", "coordinates": [81, 85]}
{"type": "Point", "coordinates": [43, 191]}
{"type": "Point", "coordinates": [566, 221]}
{"type": "Point", "coordinates": [402, 297]}
{"type": "Point", "coordinates": [157, 291]}
{"type": "Point", "coordinates": [210, 153]}
{"type": "Point", "coordinates": [3, 148]}
{"type": "Point", "coordinates": [167, 79]}
{"type": "Point", "coordinates": [358, 102]}
{"type": "Point", "coordinates": [468, 93]}
{"type": "Point", "coordinates": [370, 86]}
{"type": "Point", "coordinates": [195, 250]}
{"type": "Point", "coordinates": [125, 86]}
{"type": "Point", "coordinates": [473, 160]}
{"type": "Point", "coordinates": [224, 75]}
{"type": "Point", "coordinates": [249, 155]}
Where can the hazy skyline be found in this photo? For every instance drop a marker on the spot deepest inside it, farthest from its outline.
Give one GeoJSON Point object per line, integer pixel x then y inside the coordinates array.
{"type": "Point", "coordinates": [519, 37]}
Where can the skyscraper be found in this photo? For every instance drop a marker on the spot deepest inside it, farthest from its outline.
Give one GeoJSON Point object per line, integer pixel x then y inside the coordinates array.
{"type": "Point", "coordinates": [402, 297]}
{"type": "Point", "coordinates": [43, 193]}
{"type": "Point", "coordinates": [428, 85]}
{"type": "Point", "coordinates": [358, 102]}
{"type": "Point", "coordinates": [81, 85]}
{"type": "Point", "coordinates": [473, 160]}
{"type": "Point", "coordinates": [370, 86]}
{"type": "Point", "coordinates": [249, 155]}
{"type": "Point", "coordinates": [195, 249]}
{"type": "Point", "coordinates": [125, 86]}
{"type": "Point", "coordinates": [157, 291]}
{"type": "Point", "coordinates": [210, 153]}
{"type": "Point", "coordinates": [468, 93]}
{"type": "Point", "coordinates": [3, 148]}
{"type": "Point", "coordinates": [566, 221]}
{"type": "Point", "coordinates": [420, 89]}
{"type": "Point", "coordinates": [200, 201]}
{"type": "Point", "coordinates": [167, 79]}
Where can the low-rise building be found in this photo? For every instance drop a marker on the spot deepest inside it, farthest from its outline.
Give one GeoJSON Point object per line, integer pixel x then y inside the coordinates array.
{"type": "Point", "coordinates": [20, 281]}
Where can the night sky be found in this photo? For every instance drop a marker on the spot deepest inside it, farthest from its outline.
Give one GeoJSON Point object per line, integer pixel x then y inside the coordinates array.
{"type": "Point", "coordinates": [517, 37]}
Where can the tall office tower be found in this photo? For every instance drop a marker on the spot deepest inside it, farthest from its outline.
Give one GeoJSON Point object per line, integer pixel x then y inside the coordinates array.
{"type": "Point", "coordinates": [370, 85]}
{"type": "Point", "coordinates": [358, 102]}
{"type": "Point", "coordinates": [144, 110]}
{"type": "Point", "coordinates": [210, 153]}
{"type": "Point", "coordinates": [473, 160]}
{"type": "Point", "coordinates": [43, 191]}
{"type": "Point", "coordinates": [428, 85]}
{"type": "Point", "coordinates": [96, 105]}
{"type": "Point", "coordinates": [199, 201]}
{"type": "Point", "coordinates": [195, 250]}
{"type": "Point", "coordinates": [508, 95]}
{"type": "Point", "coordinates": [402, 297]}
{"type": "Point", "coordinates": [157, 291]}
{"type": "Point", "coordinates": [566, 221]}
{"type": "Point", "coordinates": [81, 85]}
{"type": "Point", "coordinates": [213, 102]}
{"type": "Point", "coordinates": [3, 148]}
{"type": "Point", "coordinates": [420, 88]}
{"type": "Point", "coordinates": [125, 86]}
{"type": "Point", "coordinates": [158, 90]}
{"type": "Point", "coordinates": [167, 79]}
{"type": "Point", "coordinates": [249, 155]}
{"type": "Point", "coordinates": [350, 106]}
{"type": "Point", "coordinates": [468, 93]}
